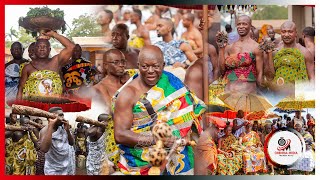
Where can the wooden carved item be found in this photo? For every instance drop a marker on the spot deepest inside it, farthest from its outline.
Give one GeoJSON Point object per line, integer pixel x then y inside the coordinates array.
{"type": "Point", "coordinates": [267, 45]}
{"type": "Point", "coordinates": [9, 127]}
{"type": "Point", "coordinates": [90, 121]}
{"type": "Point", "coordinates": [222, 39]}
{"type": "Point", "coordinates": [30, 111]}
{"type": "Point", "coordinates": [37, 125]}
{"type": "Point", "coordinates": [158, 156]}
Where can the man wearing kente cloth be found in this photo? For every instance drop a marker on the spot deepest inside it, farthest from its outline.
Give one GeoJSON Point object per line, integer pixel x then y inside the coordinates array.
{"type": "Point", "coordinates": [12, 120]}
{"type": "Point", "coordinates": [229, 153]}
{"type": "Point", "coordinates": [97, 160]}
{"type": "Point", "coordinates": [205, 154]}
{"type": "Point", "coordinates": [254, 160]}
{"type": "Point", "coordinates": [241, 62]}
{"type": "Point", "coordinates": [24, 150]}
{"type": "Point", "coordinates": [151, 97]}
{"type": "Point", "coordinates": [77, 73]}
{"type": "Point", "coordinates": [140, 36]}
{"type": "Point", "coordinates": [291, 64]}
{"type": "Point", "coordinates": [41, 76]}
{"type": "Point", "coordinates": [81, 145]}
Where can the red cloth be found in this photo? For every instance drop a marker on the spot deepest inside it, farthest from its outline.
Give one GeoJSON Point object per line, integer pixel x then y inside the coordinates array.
{"type": "Point", "coordinates": [74, 106]}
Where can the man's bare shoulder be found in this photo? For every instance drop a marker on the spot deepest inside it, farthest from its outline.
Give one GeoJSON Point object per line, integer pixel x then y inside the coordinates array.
{"type": "Point", "coordinates": [128, 93]}
{"type": "Point", "coordinates": [195, 70]}
{"type": "Point", "coordinates": [27, 68]}
{"type": "Point", "coordinates": [196, 32]}
{"type": "Point", "coordinates": [133, 51]}
{"type": "Point", "coordinates": [44, 130]}
{"type": "Point", "coordinates": [303, 49]}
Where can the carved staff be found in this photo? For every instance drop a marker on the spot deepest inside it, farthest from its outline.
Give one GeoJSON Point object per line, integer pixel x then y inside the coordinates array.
{"type": "Point", "coordinates": [31, 111]}
{"type": "Point", "coordinates": [90, 121]}
{"type": "Point", "coordinates": [37, 125]}
{"type": "Point", "coordinates": [9, 127]}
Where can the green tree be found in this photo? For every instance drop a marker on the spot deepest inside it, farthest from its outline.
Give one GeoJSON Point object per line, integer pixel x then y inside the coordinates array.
{"type": "Point", "coordinates": [271, 12]}
{"type": "Point", "coordinates": [84, 26]}
{"type": "Point", "coordinates": [13, 33]}
{"type": "Point", "coordinates": [21, 35]}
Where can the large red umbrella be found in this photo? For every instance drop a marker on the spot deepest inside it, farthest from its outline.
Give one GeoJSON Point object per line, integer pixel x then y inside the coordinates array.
{"type": "Point", "coordinates": [218, 122]}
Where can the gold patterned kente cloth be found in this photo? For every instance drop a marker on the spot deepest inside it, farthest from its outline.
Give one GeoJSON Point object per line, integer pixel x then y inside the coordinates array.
{"type": "Point", "coordinates": [25, 156]}
{"type": "Point", "coordinates": [230, 165]}
{"type": "Point", "coordinates": [42, 83]}
{"type": "Point", "coordinates": [253, 157]}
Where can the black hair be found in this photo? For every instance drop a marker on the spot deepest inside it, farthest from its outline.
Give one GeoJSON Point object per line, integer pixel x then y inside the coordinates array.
{"type": "Point", "coordinates": [191, 16]}
{"type": "Point", "coordinates": [104, 116]}
{"type": "Point", "coordinates": [123, 27]}
{"type": "Point", "coordinates": [54, 109]}
{"type": "Point", "coordinates": [110, 13]}
{"type": "Point", "coordinates": [309, 31]}
{"type": "Point", "coordinates": [137, 11]}
{"type": "Point", "coordinates": [8, 120]}
{"type": "Point", "coordinates": [228, 27]}
{"type": "Point", "coordinates": [171, 24]}
{"type": "Point", "coordinates": [17, 42]}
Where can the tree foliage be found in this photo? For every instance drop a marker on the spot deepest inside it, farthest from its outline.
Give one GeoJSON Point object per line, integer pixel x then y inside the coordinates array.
{"type": "Point", "coordinates": [271, 12]}
{"type": "Point", "coordinates": [20, 35]}
{"type": "Point", "coordinates": [84, 26]}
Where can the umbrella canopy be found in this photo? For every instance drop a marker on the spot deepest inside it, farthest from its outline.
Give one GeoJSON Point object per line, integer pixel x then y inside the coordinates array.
{"type": "Point", "coordinates": [245, 102]}
{"type": "Point", "coordinates": [255, 115]}
{"type": "Point", "coordinates": [287, 111]}
{"type": "Point", "coordinates": [218, 122]}
{"type": "Point", "coordinates": [295, 103]}
{"type": "Point", "coordinates": [228, 114]}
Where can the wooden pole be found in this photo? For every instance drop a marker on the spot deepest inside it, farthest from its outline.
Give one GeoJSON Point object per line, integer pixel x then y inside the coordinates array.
{"type": "Point", "coordinates": [205, 61]}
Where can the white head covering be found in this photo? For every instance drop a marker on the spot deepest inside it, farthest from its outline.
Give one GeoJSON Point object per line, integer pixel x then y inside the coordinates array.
{"type": "Point", "coordinates": [126, 8]}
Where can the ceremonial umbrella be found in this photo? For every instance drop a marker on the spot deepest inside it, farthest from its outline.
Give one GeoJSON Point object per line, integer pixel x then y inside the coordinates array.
{"type": "Point", "coordinates": [287, 111]}
{"type": "Point", "coordinates": [295, 103]}
{"type": "Point", "coordinates": [245, 102]}
{"type": "Point", "coordinates": [218, 122]}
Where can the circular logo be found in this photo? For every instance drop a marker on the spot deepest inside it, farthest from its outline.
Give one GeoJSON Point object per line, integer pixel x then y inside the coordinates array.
{"type": "Point", "coordinates": [284, 147]}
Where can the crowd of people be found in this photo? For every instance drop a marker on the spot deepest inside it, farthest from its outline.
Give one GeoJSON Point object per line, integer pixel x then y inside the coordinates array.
{"type": "Point", "coordinates": [152, 73]}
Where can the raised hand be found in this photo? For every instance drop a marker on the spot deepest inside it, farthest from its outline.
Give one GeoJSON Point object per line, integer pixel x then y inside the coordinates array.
{"type": "Point", "coordinates": [222, 39]}
{"type": "Point", "coordinates": [52, 121]}
{"type": "Point", "coordinates": [49, 33]}
{"type": "Point", "coordinates": [267, 45]}
{"type": "Point", "coordinates": [201, 25]}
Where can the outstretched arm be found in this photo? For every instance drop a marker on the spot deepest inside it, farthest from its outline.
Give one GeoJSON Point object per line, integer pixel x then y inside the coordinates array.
{"type": "Point", "coordinates": [186, 48]}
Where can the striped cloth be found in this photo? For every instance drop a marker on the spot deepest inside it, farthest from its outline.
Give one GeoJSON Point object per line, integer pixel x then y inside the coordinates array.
{"type": "Point", "coordinates": [170, 101]}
